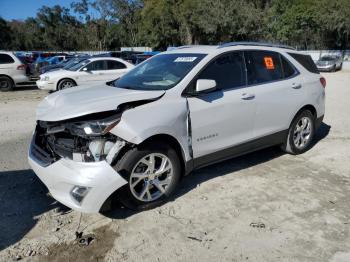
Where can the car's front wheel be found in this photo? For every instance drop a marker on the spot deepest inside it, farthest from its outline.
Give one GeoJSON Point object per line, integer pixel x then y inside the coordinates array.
{"type": "Point", "coordinates": [65, 83]}
{"type": "Point", "coordinates": [300, 133]}
{"type": "Point", "coordinates": [152, 171]}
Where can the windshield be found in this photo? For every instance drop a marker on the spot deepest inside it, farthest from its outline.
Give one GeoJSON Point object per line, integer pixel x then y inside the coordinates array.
{"type": "Point", "coordinates": [76, 66]}
{"type": "Point", "coordinates": [327, 58]}
{"type": "Point", "coordinates": [161, 72]}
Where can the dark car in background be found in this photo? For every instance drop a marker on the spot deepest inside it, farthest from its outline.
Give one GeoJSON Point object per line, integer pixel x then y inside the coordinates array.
{"type": "Point", "coordinates": [330, 63]}
{"type": "Point", "coordinates": [70, 61]}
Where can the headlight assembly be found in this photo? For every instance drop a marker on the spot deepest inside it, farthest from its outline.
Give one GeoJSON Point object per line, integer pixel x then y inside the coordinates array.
{"type": "Point", "coordinates": [46, 78]}
{"type": "Point", "coordinates": [94, 127]}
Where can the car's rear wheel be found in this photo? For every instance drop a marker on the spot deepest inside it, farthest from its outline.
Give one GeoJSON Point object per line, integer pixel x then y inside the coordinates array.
{"type": "Point", "coordinates": [65, 84]}
{"type": "Point", "coordinates": [152, 172]}
{"type": "Point", "coordinates": [300, 133]}
{"type": "Point", "coordinates": [6, 84]}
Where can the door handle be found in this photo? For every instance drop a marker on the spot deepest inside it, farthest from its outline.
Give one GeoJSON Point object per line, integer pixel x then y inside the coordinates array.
{"type": "Point", "coordinates": [296, 86]}
{"type": "Point", "coordinates": [247, 96]}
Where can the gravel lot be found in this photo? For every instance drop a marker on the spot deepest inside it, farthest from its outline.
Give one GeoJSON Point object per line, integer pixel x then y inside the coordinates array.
{"type": "Point", "coordinates": [266, 206]}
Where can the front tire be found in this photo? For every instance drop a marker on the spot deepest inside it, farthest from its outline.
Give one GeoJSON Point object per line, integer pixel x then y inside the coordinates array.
{"type": "Point", "coordinates": [6, 84]}
{"type": "Point", "coordinates": [153, 172]}
{"type": "Point", "coordinates": [65, 84]}
{"type": "Point", "coordinates": [300, 134]}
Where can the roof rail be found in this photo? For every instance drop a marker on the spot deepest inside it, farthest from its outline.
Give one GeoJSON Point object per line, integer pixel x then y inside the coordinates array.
{"type": "Point", "coordinates": [255, 44]}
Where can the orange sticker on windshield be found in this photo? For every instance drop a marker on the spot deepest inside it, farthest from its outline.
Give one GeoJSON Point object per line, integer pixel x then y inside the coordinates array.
{"type": "Point", "coordinates": [269, 63]}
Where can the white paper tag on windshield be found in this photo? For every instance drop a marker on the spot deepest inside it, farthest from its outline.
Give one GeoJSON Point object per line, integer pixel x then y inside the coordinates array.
{"type": "Point", "coordinates": [185, 59]}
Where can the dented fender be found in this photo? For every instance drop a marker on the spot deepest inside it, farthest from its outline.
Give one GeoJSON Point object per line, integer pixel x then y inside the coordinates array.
{"type": "Point", "coordinates": [165, 116]}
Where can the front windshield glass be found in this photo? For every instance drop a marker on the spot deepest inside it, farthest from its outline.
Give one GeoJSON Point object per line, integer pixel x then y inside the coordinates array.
{"type": "Point", "coordinates": [78, 65]}
{"type": "Point", "coordinates": [161, 72]}
{"type": "Point", "coordinates": [327, 58]}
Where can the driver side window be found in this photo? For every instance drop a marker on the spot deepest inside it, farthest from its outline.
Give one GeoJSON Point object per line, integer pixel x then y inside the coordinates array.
{"type": "Point", "coordinates": [228, 70]}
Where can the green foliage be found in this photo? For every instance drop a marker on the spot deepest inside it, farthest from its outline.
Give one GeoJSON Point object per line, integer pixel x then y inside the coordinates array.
{"type": "Point", "coordinates": [305, 24]}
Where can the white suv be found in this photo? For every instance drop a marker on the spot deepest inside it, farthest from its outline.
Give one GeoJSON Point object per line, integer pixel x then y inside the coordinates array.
{"type": "Point", "coordinates": [12, 71]}
{"type": "Point", "coordinates": [176, 112]}
{"type": "Point", "coordinates": [88, 72]}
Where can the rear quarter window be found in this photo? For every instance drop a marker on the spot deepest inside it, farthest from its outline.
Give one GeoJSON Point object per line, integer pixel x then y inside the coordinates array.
{"type": "Point", "coordinates": [306, 61]}
{"type": "Point", "coordinates": [6, 59]}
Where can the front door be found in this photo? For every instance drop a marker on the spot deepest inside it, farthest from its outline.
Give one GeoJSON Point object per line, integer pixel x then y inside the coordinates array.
{"type": "Point", "coordinates": [223, 118]}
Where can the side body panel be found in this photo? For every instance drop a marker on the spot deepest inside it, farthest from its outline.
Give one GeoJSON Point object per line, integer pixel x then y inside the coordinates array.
{"type": "Point", "coordinates": [166, 116]}
{"type": "Point", "coordinates": [221, 119]}
{"type": "Point", "coordinates": [276, 104]}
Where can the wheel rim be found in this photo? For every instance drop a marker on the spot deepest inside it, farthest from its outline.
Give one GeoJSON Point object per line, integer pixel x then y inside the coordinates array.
{"type": "Point", "coordinates": [4, 84]}
{"type": "Point", "coordinates": [67, 84]}
{"type": "Point", "coordinates": [302, 132]}
{"type": "Point", "coordinates": [151, 177]}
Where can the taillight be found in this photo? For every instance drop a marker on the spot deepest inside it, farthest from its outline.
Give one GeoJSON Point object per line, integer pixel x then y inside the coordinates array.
{"type": "Point", "coordinates": [323, 82]}
{"type": "Point", "coordinates": [21, 67]}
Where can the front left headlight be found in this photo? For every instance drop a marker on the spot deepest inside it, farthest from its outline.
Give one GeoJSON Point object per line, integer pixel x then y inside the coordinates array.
{"type": "Point", "coordinates": [46, 78]}
{"type": "Point", "coordinates": [95, 127]}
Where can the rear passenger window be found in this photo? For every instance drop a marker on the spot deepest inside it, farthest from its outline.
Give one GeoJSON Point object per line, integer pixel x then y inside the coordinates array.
{"type": "Point", "coordinates": [306, 61]}
{"type": "Point", "coordinates": [288, 69]}
{"type": "Point", "coordinates": [263, 67]}
{"type": "Point", "coordinates": [96, 65]}
{"type": "Point", "coordinates": [113, 65]}
{"type": "Point", "coordinates": [227, 70]}
{"type": "Point", "coordinates": [6, 59]}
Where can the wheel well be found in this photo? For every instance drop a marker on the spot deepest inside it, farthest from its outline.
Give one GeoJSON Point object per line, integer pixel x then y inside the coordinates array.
{"type": "Point", "coordinates": [311, 108]}
{"type": "Point", "coordinates": [170, 140]}
{"type": "Point", "coordinates": [66, 78]}
{"type": "Point", "coordinates": [9, 77]}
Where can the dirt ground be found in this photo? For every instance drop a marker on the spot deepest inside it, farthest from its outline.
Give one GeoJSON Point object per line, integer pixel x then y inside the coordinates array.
{"type": "Point", "coordinates": [266, 206]}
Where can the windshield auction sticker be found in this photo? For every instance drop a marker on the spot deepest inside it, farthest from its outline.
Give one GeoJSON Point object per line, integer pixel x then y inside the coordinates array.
{"type": "Point", "coordinates": [269, 63]}
{"type": "Point", "coordinates": [185, 59]}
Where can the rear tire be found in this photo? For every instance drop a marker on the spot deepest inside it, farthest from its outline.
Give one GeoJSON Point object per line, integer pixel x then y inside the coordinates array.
{"type": "Point", "coordinates": [300, 134]}
{"type": "Point", "coordinates": [65, 84]}
{"type": "Point", "coordinates": [150, 180]}
{"type": "Point", "coordinates": [6, 84]}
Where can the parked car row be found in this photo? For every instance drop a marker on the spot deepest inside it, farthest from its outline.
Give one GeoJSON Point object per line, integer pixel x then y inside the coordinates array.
{"type": "Point", "coordinates": [56, 71]}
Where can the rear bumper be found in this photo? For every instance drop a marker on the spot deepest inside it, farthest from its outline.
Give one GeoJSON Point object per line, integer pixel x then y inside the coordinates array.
{"type": "Point", "coordinates": [63, 175]}
{"type": "Point", "coordinates": [20, 78]}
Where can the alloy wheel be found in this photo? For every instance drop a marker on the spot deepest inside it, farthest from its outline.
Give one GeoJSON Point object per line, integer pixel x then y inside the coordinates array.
{"type": "Point", "coordinates": [302, 132]}
{"type": "Point", "coordinates": [151, 177]}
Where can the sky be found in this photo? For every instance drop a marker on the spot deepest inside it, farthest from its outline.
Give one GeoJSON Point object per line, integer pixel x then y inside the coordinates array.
{"type": "Point", "coordinates": [22, 9]}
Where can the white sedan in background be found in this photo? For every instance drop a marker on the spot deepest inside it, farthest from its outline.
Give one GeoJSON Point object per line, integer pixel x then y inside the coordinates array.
{"type": "Point", "coordinates": [88, 72]}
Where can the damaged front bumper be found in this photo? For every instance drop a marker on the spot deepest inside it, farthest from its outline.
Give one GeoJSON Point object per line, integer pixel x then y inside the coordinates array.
{"type": "Point", "coordinates": [82, 186]}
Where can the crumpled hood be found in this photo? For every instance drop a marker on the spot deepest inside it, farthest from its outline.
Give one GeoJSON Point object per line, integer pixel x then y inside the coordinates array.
{"type": "Point", "coordinates": [83, 100]}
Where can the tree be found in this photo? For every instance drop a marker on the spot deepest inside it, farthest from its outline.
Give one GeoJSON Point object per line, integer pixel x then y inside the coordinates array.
{"type": "Point", "coordinates": [5, 33]}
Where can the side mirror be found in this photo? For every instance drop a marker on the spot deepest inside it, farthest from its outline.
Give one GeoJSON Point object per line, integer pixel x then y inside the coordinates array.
{"type": "Point", "coordinates": [205, 85]}
{"type": "Point", "coordinates": [85, 69]}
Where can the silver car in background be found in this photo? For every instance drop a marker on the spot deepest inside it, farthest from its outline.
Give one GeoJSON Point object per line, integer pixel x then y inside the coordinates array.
{"type": "Point", "coordinates": [330, 63]}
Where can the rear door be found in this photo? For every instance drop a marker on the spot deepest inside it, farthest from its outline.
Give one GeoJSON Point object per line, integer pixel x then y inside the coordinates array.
{"type": "Point", "coordinates": [115, 69]}
{"type": "Point", "coordinates": [95, 73]}
{"type": "Point", "coordinates": [223, 118]}
{"type": "Point", "coordinates": [278, 88]}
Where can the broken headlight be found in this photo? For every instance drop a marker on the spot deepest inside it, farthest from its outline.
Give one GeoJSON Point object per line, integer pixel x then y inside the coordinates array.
{"type": "Point", "coordinates": [94, 127]}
